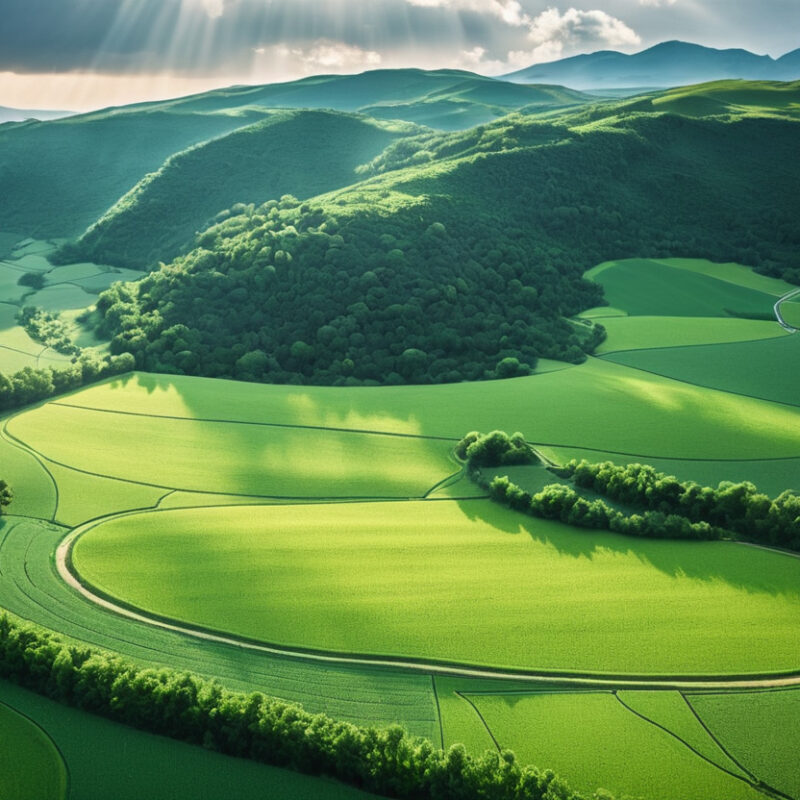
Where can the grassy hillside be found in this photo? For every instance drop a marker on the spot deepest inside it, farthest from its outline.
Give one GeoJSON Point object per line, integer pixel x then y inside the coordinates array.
{"type": "Point", "coordinates": [58, 177]}
{"type": "Point", "coordinates": [254, 164]}
{"type": "Point", "coordinates": [384, 281]}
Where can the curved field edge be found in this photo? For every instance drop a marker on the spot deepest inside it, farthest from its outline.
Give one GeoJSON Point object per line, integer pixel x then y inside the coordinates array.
{"type": "Point", "coordinates": [31, 765]}
{"type": "Point", "coordinates": [477, 539]}
{"type": "Point", "coordinates": [156, 768]}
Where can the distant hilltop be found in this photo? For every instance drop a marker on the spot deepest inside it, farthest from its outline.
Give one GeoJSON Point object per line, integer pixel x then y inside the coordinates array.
{"type": "Point", "coordinates": [665, 65]}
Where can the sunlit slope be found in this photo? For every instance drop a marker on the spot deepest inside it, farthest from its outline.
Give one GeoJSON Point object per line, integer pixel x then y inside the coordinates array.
{"type": "Point", "coordinates": [732, 97]}
{"type": "Point", "coordinates": [232, 457]}
{"type": "Point", "coordinates": [397, 579]}
{"type": "Point", "coordinates": [299, 153]}
{"type": "Point", "coordinates": [597, 404]}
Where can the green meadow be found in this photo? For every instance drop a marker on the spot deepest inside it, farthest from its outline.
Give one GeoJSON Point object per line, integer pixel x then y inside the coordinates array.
{"type": "Point", "coordinates": [393, 579]}
{"type": "Point", "coordinates": [31, 768]}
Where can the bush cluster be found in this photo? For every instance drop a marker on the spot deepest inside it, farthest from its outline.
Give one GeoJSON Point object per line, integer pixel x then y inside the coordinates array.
{"type": "Point", "coordinates": [736, 507]}
{"type": "Point", "coordinates": [48, 328]}
{"type": "Point", "coordinates": [186, 707]}
{"type": "Point", "coordinates": [494, 449]}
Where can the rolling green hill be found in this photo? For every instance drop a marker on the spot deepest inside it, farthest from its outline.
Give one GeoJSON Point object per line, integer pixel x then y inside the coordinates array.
{"type": "Point", "coordinates": [58, 177]}
{"type": "Point", "coordinates": [251, 165]}
{"type": "Point", "coordinates": [465, 252]}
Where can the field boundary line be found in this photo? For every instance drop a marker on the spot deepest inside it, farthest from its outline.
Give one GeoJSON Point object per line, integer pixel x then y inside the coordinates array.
{"type": "Point", "coordinates": [481, 718]}
{"type": "Point", "coordinates": [438, 709]}
{"type": "Point", "coordinates": [67, 572]}
{"type": "Point", "coordinates": [361, 431]}
{"type": "Point", "coordinates": [765, 788]}
{"type": "Point", "coordinates": [698, 385]}
{"type": "Point", "coordinates": [48, 737]}
{"type": "Point", "coordinates": [753, 783]}
{"type": "Point", "coordinates": [685, 346]}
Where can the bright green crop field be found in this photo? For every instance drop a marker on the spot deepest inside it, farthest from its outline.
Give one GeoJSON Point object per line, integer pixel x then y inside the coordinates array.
{"type": "Point", "coordinates": [395, 579]}
{"type": "Point", "coordinates": [761, 730]}
{"type": "Point", "coordinates": [618, 750]}
{"type": "Point", "coordinates": [31, 767]}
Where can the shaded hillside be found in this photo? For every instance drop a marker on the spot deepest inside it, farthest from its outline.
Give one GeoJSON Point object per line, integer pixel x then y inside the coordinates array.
{"type": "Point", "coordinates": [464, 266]}
{"type": "Point", "coordinates": [302, 153]}
{"type": "Point", "coordinates": [58, 177]}
{"type": "Point", "coordinates": [666, 64]}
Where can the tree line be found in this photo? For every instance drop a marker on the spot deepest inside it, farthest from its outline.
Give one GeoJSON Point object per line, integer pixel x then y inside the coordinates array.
{"type": "Point", "coordinates": [662, 505]}
{"type": "Point", "coordinates": [29, 385]}
{"type": "Point", "coordinates": [736, 507]}
{"type": "Point", "coordinates": [47, 328]}
{"type": "Point", "coordinates": [184, 706]}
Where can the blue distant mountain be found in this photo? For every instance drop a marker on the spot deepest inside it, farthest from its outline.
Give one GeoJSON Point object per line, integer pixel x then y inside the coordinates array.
{"type": "Point", "coordinates": [665, 65]}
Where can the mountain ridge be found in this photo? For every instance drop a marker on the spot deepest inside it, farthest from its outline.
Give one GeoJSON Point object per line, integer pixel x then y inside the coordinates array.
{"type": "Point", "coordinates": [669, 63]}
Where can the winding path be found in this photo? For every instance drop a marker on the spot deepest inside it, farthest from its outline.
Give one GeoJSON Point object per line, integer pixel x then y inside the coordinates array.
{"type": "Point", "coordinates": [779, 316]}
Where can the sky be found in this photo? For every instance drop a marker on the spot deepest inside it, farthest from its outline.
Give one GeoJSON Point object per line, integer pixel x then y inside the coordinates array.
{"type": "Point", "coordinates": [84, 54]}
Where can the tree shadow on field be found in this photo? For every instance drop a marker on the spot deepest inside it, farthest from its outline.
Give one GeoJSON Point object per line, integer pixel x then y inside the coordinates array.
{"type": "Point", "coordinates": [738, 565]}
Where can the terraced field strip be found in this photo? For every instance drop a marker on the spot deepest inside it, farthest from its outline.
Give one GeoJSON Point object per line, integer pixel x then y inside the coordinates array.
{"type": "Point", "coordinates": [387, 583]}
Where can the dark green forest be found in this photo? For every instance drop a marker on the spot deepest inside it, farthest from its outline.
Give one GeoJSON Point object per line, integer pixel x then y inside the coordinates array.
{"type": "Point", "coordinates": [446, 270]}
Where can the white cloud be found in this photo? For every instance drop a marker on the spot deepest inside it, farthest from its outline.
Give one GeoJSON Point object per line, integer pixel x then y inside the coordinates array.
{"type": "Point", "coordinates": [324, 55]}
{"type": "Point", "coordinates": [214, 8]}
{"type": "Point", "coordinates": [554, 34]}
{"type": "Point", "coordinates": [656, 3]}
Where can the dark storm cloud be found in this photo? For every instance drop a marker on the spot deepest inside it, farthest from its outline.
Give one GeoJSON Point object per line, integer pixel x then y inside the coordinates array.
{"type": "Point", "coordinates": [220, 36]}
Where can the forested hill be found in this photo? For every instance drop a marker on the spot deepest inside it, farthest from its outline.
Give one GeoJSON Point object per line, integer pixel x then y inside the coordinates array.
{"type": "Point", "coordinates": [303, 153]}
{"type": "Point", "coordinates": [463, 265]}
{"type": "Point", "coordinates": [58, 177]}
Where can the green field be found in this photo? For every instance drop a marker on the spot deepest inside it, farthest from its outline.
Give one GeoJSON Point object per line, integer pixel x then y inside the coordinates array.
{"type": "Point", "coordinates": [760, 730]}
{"type": "Point", "coordinates": [106, 760]}
{"type": "Point", "coordinates": [647, 287]}
{"type": "Point", "coordinates": [640, 333]}
{"type": "Point", "coordinates": [31, 767]}
{"type": "Point", "coordinates": [394, 579]}
{"type": "Point", "coordinates": [763, 369]}
{"type": "Point", "coordinates": [597, 404]}
{"type": "Point", "coordinates": [591, 739]}
{"type": "Point", "coordinates": [791, 313]}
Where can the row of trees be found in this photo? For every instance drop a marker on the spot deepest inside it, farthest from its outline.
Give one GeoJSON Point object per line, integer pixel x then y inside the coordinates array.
{"type": "Point", "coordinates": [560, 502]}
{"type": "Point", "coordinates": [736, 507]}
{"type": "Point", "coordinates": [186, 707]}
{"type": "Point", "coordinates": [30, 385]}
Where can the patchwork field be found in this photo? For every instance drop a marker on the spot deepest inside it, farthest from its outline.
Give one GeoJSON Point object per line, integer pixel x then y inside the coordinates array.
{"type": "Point", "coordinates": [394, 578]}
{"type": "Point", "coordinates": [336, 519]}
